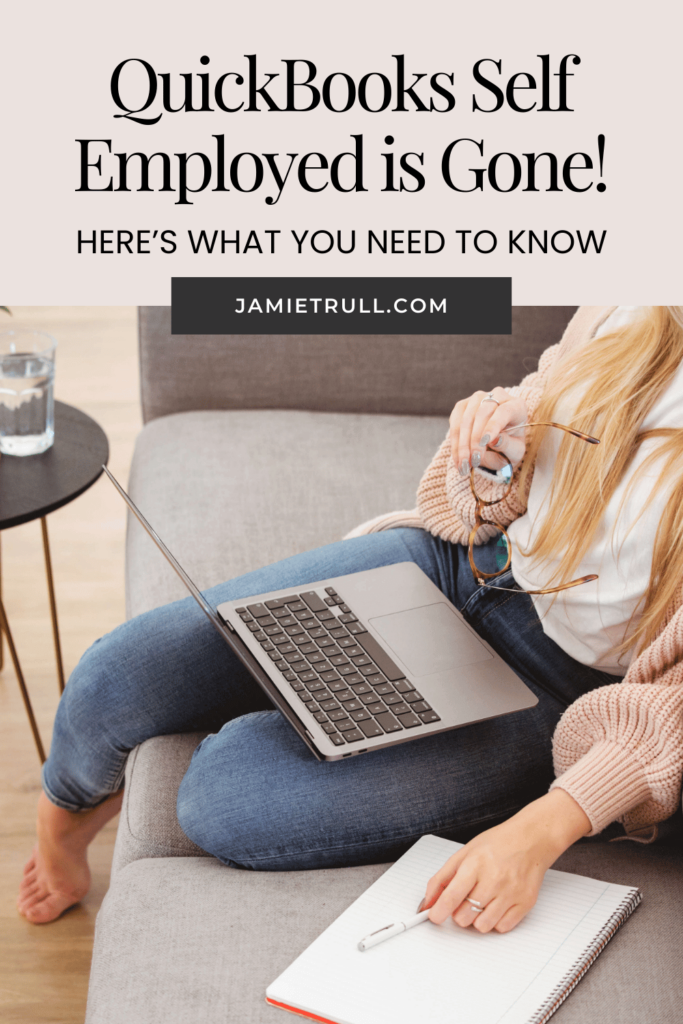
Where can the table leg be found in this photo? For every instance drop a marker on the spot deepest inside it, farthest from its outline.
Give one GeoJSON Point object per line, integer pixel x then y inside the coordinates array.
{"type": "Point", "coordinates": [2, 646]}
{"type": "Point", "coordinates": [4, 628]}
{"type": "Point", "coordinates": [53, 605]}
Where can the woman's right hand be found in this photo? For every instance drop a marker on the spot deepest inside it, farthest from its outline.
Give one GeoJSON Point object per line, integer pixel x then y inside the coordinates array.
{"type": "Point", "coordinates": [476, 423]}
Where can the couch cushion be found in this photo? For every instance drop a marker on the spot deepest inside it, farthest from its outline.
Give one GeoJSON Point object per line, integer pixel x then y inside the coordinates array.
{"type": "Point", "coordinates": [190, 940]}
{"type": "Point", "coordinates": [390, 373]}
{"type": "Point", "coordinates": [232, 491]}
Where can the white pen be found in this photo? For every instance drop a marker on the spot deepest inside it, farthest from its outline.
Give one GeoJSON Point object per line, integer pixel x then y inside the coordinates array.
{"type": "Point", "coordinates": [390, 930]}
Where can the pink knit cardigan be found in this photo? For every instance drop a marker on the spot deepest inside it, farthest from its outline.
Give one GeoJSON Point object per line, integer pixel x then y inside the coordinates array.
{"type": "Point", "coordinates": [618, 750]}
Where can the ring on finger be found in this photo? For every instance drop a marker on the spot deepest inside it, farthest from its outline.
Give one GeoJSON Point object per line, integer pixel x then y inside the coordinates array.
{"type": "Point", "coordinates": [475, 905]}
{"type": "Point", "coordinates": [489, 398]}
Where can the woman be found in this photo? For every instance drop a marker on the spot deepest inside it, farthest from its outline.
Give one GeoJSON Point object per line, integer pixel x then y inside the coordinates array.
{"type": "Point", "coordinates": [603, 657]}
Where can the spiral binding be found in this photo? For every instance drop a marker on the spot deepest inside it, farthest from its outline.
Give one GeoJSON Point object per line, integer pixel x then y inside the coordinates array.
{"type": "Point", "coordinates": [576, 972]}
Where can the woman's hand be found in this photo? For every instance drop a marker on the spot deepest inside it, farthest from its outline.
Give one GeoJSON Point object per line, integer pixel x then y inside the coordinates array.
{"type": "Point", "coordinates": [476, 423]}
{"type": "Point", "coordinates": [503, 867]}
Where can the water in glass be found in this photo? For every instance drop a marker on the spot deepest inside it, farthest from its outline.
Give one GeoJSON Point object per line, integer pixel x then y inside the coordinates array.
{"type": "Point", "coordinates": [26, 392]}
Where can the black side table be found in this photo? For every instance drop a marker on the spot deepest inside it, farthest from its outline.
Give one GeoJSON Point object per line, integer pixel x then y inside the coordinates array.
{"type": "Point", "coordinates": [35, 485]}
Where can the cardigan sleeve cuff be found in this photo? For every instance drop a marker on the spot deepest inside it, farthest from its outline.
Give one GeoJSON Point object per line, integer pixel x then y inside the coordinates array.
{"type": "Point", "coordinates": [606, 783]}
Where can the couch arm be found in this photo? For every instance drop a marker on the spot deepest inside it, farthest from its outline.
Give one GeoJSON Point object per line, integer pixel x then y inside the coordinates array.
{"type": "Point", "coordinates": [420, 375]}
{"type": "Point", "coordinates": [148, 826]}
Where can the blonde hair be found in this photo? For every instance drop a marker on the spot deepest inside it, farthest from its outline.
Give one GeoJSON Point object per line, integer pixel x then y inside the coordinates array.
{"type": "Point", "coordinates": [616, 382]}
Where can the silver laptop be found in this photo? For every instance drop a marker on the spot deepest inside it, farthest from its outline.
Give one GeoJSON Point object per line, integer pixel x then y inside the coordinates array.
{"type": "Point", "coordinates": [364, 661]}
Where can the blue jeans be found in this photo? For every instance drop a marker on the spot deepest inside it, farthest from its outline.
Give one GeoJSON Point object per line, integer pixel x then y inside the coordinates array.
{"type": "Point", "coordinates": [254, 796]}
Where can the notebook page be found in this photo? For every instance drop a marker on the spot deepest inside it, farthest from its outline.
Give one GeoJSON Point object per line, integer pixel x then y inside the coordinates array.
{"type": "Point", "coordinates": [445, 972]}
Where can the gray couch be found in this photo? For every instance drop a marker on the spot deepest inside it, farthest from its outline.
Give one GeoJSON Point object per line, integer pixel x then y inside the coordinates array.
{"type": "Point", "coordinates": [255, 448]}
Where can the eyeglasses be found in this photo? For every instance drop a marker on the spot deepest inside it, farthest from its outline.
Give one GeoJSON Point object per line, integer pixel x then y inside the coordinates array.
{"type": "Point", "coordinates": [504, 543]}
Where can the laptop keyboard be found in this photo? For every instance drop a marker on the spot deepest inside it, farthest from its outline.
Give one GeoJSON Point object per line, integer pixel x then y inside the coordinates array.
{"type": "Point", "coordinates": [342, 675]}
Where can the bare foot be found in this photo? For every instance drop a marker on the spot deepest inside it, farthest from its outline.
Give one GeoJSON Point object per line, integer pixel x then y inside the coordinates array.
{"type": "Point", "coordinates": [57, 874]}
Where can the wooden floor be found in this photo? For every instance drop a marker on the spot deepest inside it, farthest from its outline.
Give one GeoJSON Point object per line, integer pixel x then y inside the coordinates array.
{"type": "Point", "coordinates": [44, 970]}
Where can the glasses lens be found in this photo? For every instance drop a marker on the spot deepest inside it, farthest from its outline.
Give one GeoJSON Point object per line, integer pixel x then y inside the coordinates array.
{"type": "Point", "coordinates": [482, 557]}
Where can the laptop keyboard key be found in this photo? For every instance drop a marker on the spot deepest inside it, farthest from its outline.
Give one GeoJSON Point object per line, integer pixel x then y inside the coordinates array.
{"type": "Point", "coordinates": [314, 602]}
{"type": "Point", "coordinates": [313, 654]}
{"type": "Point", "coordinates": [280, 639]}
{"type": "Point", "coordinates": [395, 698]}
{"type": "Point", "coordinates": [337, 739]}
{"type": "Point", "coordinates": [325, 641]}
{"type": "Point", "coordinates": [346, 726]}
{"type": "Point", "coordinates": [351, 705]}
{"type": "Point", "coordinates": [308, 677]}
{"type": "Point", "coordinates": [356, 629]}
{"type": "Point", "coordinates": [257, 610]}
{"type": "Point", "coordinates": [429, 716]}
{"type": "Point", "coordinates": [369, 698]}
{"type": "Point", "coordinates": [293, 630]}
{"type": "Point", "coordinates": [348, 617]}
{"type": "Point", "coordinates": [362, 659]}
{"type": "Point", "coordinates": [409, 720]}
{"type": "Point", "coordinates": [337, 685]}
{"type": "Point", "coordinates": [370, 727]}
{"type": "Point", "coordinates": [343, 695]}
{"type": "Point", "coordinates": [273, 631]}
{"type": "Point", "coordinates": [297, 686]}
{"type": "Point", "coordinates": [253, 626]}
{"type": "Point", "coordinates": [368, 670]}
{"type": "Point", "coordinates": [420, 705]}
{"type": "Point", "coordinates": [346, 670]}
{"type": "Point", "coordinates": [309, 649]}
{"type": "Point", "coordinates": [319, 634]}
{"type": "Point", "coordinates": [300, 640]}
{"type": "Point", "coordinates": [330, 677]}
{"type": "Point", "coordinates": [362, 715]}
{"type": "Point", "coordinates": [289, 675]}
{"type": "Point", "coordinates": [356, 677]}
{"type": "Point", "coordinates": [328, 726]}
{"type": "Point", "coordinates": [352, 735]}
{"type": "Point", "coordinates": [400, 709]}
{"type": "Point", "coordinates": [330, 705]}
{"type": "Point", "coordinates": [403, 686]}
{"type": "Point", "coordinates": [383, 688]}
{"type": "Point", "coordinates": [412, 697]}
{"type": "Point", "coordinates": [363, 687]}
{"type": "Point", "coordinates": [339, 632]}
{"type": "Point", "coordinates": [337, 716]}
{"type": "Point", "coordinates": [331, 591]}
{"type": "Point", "coordinates": [377, 709]}
{"type": "Point", "coordinates": [321, 717]}
{"type": "Point", "coordinates": [388, 722]}
{"type": "Point", "coordinates": [305, 696]}
{"type": "Point", "coordinates": [267, 645]}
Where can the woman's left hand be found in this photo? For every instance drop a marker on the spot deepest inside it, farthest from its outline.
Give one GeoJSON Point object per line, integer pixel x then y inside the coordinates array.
{"type": "Point", "coordinates": [503, 868]}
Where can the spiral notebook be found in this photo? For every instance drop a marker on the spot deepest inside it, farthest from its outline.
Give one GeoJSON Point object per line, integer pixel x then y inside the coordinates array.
{"type": "Point", "coordinates": [443, 973]}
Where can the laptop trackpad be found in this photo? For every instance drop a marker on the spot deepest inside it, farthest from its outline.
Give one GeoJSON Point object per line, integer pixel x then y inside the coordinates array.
{"type": "Point", "coordinates": [430, 639]}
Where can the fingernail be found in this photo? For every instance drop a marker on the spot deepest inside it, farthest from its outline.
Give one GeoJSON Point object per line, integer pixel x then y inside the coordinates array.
{"type": "Point", "coordinates": [421, 906]}
{"type": "Point", "coordinates": [464, 468]}
{"type": "Point", "coordinates": [476, 459]}
{"type": "Point", "coordinates": [485, 440]}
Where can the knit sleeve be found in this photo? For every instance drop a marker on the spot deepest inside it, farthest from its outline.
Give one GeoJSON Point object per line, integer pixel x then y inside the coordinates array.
{"type": "Point", "coordinates": [444, 499]}
{"type": "Point", "coordinates": [618, 750]}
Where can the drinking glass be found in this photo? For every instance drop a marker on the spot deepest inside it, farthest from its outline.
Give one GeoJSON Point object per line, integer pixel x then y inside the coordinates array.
{"type": "Point", "coordinates": [27, 373]}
